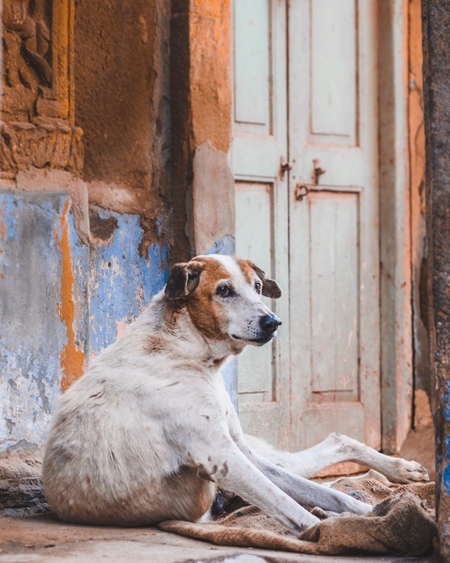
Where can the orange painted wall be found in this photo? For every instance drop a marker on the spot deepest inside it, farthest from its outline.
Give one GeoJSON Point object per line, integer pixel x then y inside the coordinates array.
{"type": "Point", "coordinates": [417, 186]}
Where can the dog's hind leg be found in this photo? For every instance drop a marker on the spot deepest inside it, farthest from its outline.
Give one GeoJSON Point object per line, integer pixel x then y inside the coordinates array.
{"type": "Point", "coordinates": [338, 448]}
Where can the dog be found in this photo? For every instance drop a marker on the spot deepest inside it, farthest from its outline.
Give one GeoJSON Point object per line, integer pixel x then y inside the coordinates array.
{"type": "Point", "coordinates": [149, 432]}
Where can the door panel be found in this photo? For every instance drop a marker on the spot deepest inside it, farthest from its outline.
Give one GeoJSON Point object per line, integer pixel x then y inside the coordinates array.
{"type": "Point", "coordinates": [254, 238]}
{"type": "Point", "coordinates": [333, 68]}
{"type": "Point", "coordinates": [252, 106]}
{"type": "Point", "coordinates": [333, 221]}
{"type": "Point", "coordinates": [260, 140]}
{"type": "Point", "coordinates": [334, 229]}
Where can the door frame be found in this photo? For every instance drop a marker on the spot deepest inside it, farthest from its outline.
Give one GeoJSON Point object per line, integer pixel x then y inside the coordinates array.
{"type": "Point", "coordinates": [395, 227]}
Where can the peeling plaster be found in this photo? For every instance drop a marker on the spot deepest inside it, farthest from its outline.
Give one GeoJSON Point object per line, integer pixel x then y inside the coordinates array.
{"type": "Point", "coordinates": [122, 282]}
{"type": "Point", "coordinates": [64, 302]}
{"type": "Point", "coordinates": [52, 181]}
{"type": "Point", "coordinates": [446, 472]}
{"type": "Point", "coordinates": [225, 245]}
{"type": "Point", "coordinates": [71, 357]}
{"type": "Point", "coordinates": [446, 402]}
{"type": "Point", "coordinates": [33, 336]}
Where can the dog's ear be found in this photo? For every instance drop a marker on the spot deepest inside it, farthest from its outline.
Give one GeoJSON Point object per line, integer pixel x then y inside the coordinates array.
{"type": "Point", "coordinates": [183, 279]}
{"type": "Point", "coordinates": [270, 288]}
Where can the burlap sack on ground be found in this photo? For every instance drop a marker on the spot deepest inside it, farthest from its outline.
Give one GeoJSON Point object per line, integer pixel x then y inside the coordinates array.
{"type": "Point", "coordinates": [402, 522]}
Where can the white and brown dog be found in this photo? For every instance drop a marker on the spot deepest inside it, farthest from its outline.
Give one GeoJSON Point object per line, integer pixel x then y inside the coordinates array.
{"type": "Point", "coordinates": [149, 432]}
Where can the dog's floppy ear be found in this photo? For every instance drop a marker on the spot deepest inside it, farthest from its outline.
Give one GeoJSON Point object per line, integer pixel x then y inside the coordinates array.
{"type": "Point", "coordinates": [270, 288]}
{"type": "Point", "coordinates": [183, 279]}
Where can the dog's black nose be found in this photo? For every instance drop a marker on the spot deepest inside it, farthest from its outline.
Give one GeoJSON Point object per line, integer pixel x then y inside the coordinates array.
{"type": "Point", "coordinates": [269, 323]}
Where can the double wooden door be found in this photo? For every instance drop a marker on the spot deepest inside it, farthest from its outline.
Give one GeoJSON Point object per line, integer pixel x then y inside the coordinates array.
{"type": "Point", "coordinates": [305, 161]}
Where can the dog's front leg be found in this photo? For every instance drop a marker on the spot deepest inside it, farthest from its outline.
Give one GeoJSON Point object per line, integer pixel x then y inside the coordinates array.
{"type": "Point", "coordinates": [222, 462]}
{"type": "Point", "coordinates": [305, 492]}
{"type": "Point", "coordinates": [308, 493]}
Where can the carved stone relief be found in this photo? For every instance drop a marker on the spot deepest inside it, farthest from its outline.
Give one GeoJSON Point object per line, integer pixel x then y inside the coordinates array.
{"type": "Point", "coordinates": [37, 120]}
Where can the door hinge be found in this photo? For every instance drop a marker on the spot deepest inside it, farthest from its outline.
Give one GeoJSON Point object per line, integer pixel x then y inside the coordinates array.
{"type": "Point", "coordinates": [318, 171]}
{"type": "Point", "coordinates": [285, 166]}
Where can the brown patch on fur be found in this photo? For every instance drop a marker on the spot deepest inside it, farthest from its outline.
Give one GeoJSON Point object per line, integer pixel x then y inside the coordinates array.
{"type": "Point", "coordinates": [201, 472]}
{"type": "Point", "coordinates": [183, 279]}
{"type": "Point", "coordinates": [173, 313]}
{"type": "Point", "coordinates": [219, 362]}
{"type": "Point", "coordinates": [246, 269]}
{"type": "Point", "coordinates": [204, 313]}
{"type": "Point", "coordinates": [270, 288]}
{"type": "Point", "coordinates": [154, 345]}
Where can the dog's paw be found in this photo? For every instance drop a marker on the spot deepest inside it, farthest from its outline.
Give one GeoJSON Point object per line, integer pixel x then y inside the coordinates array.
{"type": "Point", "coordinates": [408, 472]}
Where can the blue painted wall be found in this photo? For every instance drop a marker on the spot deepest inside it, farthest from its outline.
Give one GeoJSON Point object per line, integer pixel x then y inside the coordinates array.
{"type": "Point", "coordinates": [122, 283]}
{"type": "Point", "coordinates": [32, 333]}
{"type": "Point", "coordinates": [225, 245]}
{"type": "Point", "coordinates": [42, 320]}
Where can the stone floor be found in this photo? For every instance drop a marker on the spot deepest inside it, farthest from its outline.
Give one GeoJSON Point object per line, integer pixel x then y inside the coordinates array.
{"type": "Point", "coordinates": [419, 445]}
{"type": "Point", "coordinates": [42, 539]}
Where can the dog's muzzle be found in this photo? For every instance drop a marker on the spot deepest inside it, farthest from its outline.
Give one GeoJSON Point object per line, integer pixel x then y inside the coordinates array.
{"type": "Point", "coordinates": [268, 326]}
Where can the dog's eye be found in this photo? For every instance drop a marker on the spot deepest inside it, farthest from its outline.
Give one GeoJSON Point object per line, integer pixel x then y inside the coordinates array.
{"type": "Point", "coordinates": [258, 288]}
{"type": "Point", "coordinates": [224, 291]}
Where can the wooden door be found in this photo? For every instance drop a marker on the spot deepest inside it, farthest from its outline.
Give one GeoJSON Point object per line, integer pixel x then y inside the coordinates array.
{"type": "Point", "coordinates": [334, 268]}
{"type": "Point", "coordinates": [322, 373]}
{"type": "Point", "coordinates": [260, 141]}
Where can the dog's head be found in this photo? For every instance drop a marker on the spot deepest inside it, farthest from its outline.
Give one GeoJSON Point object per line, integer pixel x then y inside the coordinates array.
{"type": "Point", "coordinates": [223, 297]}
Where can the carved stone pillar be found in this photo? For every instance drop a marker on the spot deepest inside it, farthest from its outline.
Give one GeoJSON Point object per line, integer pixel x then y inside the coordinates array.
{"type": "Point", "coordinates": [37, 104]}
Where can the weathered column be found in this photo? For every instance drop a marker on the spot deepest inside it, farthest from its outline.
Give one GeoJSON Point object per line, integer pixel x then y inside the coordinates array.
{"type": "Point", "coordinates": [436, 33]}
{"type": "Point", "coordinates": [201, 94]}
{"type": "Point", "coordinates": [203, 186]}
